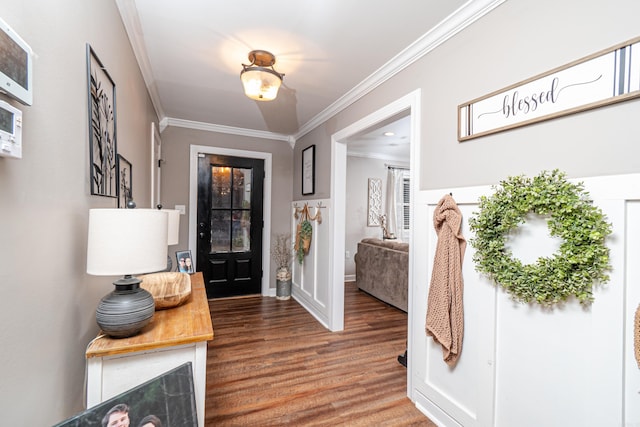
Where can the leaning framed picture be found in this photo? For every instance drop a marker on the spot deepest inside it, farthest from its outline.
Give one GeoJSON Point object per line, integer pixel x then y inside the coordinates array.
{"type": "Point", "coordinates": [185, 261]}
{"type": "Point", "coordinates": [308, 170]}
{"type": "Point", "coordinates": [102, 127]}
{"type": "Point", "coordinates": [166, 400]}
{"type": "Point", "coordinates": [125, 182]}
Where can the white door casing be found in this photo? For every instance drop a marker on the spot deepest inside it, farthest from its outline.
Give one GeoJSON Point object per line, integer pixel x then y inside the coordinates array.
{"type": "Point", "coordinates": [156, 160]}
{"type": "Point", "coordinates": [410, 102]}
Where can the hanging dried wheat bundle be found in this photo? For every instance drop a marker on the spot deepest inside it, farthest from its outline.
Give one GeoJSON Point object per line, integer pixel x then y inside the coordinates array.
{"type": "Point", "coordinates": [282, 251]}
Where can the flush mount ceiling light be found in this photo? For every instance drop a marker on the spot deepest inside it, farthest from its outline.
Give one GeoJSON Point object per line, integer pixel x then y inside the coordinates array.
{"type": "Point", "coordinates": [260, 80]}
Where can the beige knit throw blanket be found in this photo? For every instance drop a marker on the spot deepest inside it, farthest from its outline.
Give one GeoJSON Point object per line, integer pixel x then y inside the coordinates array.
{"type": "Point", "coordinates": [636, 335]}
{"type": "Point", "coordinates": [445, 317]}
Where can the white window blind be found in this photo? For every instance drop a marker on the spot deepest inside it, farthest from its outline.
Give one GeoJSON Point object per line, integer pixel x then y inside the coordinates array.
{"type": "Point", "coordinates": [406, 202]}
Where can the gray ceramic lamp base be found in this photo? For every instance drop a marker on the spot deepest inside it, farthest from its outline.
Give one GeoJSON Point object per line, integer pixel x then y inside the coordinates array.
{"type": "Point", "coordinates": [126, 310]}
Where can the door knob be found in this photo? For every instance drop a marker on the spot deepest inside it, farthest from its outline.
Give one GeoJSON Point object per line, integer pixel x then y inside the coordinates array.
{"type": "Point", "coordinates": [201, 235]}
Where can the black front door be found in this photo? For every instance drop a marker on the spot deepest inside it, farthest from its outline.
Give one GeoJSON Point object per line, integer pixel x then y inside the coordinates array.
{"type": "Point", "coordinates": [229, 251]}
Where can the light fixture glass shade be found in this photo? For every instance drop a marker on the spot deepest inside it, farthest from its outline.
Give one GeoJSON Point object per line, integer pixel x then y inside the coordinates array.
{"type": "Point", "coordinates": [260, 83]}
{"type": "Point", "coordinates": [126, 241]}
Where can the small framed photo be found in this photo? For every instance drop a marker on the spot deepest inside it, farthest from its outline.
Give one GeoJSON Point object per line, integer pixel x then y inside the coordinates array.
{"type": "Point", "coordinates": [125, 182]}
{"type": "Point", "coordinates": [185, 262]}
{"type": "Point", "coordinates": [308, 170]}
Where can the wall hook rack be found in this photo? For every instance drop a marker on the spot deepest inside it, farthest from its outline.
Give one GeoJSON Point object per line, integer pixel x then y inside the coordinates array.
{"type": "Point", "coordinates": [303, 213]}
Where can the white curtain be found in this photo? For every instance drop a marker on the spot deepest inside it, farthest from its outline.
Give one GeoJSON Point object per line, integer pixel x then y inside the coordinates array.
{"type": "Point", "coordinates": [393, 207]}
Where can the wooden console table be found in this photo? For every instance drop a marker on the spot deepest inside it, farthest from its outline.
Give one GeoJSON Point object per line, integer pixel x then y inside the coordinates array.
{"type": "Point", "coordinates": [174, 336]}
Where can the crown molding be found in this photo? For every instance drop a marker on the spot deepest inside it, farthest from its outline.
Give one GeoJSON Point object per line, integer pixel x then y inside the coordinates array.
{"type": "Point", "coordinates": [457, 21]}
{"type": "Point", "coordinates": [132, 26]}
{"type": "Point", "coordinates": [464, 16]}
{"type": "Point", "coordinates": [226, 129]}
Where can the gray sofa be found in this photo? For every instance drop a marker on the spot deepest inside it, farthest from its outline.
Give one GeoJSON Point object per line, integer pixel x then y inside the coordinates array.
{"type": "Point", "coordinates": [382, 270]}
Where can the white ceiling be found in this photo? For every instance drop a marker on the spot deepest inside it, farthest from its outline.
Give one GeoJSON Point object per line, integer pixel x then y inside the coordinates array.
{"type": "Point", "coordinates": [388, 140]}
{"type": "Point", "coordinates": [331, 51]}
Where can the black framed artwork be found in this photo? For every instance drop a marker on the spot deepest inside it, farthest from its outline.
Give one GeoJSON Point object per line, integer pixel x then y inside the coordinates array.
{"type": "Point", "coordinates": [167, 400]}
{"type": "Point", "coordinates": [125, 182]}
{"type": "Point", "coordinates": [309, 170]}
{"type": "Point", "coordinates": [102, 127]}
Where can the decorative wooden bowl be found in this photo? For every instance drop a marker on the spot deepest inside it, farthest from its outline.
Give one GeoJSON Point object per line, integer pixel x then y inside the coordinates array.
{"type": "Point", "coordinates": [168, 289]}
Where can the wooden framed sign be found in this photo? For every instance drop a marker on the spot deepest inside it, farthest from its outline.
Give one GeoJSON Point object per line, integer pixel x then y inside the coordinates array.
{"type": "Point", "coordinates": [606, 77]}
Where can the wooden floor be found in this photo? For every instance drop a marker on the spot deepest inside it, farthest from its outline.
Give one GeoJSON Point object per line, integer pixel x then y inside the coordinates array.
{"type": "Point", "coordinates": [271, 363]}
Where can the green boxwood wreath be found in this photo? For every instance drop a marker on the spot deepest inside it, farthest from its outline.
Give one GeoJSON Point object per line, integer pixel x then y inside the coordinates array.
{"type": "Point", "coordinates": [582, 259]}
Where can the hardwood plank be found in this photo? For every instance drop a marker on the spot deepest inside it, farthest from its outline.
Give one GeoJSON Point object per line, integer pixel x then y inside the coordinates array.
{"type": "Point", "coordinates": [271, 363]}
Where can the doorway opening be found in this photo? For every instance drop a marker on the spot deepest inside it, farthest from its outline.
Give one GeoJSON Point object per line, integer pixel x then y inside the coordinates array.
{"type": "Point", "coordinates": [229, 248]}
{"type": "Point", "coordinates": [339, 141]}
{"type": "Point", "coordinates": [194, 155]}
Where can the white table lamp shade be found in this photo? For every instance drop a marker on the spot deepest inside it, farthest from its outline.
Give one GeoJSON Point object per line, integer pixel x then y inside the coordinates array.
{"type": "Point", "coordinates": [174, 226]}
{"type": "Point", "coordinates": [126, 241]}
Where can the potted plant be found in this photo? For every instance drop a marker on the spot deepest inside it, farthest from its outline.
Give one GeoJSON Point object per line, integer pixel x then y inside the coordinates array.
{"type": "Point", "coordinates": [282, 254]}
{"type": "Point", "coordinates": [303, 239]}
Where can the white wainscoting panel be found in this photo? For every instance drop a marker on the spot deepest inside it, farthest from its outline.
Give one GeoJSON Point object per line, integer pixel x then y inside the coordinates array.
{"type": "Point", "coordinates": [311, 280]}
{"type": "Point", "coordinates": [631, 366]}
{"type": "Point", "coordinates": [462, 395]}
{"type": "Point", "coordinates": [521, 364]}
{"type": "Point", "coordinates": [566, 360]}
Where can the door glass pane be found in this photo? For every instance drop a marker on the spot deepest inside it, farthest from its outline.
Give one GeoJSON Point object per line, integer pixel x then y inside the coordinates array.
{"type": "Point", "coordinates": [220, 231]}
{"type": "Point", "coordinates": [241, 188]}
{"type": "Point", "coordinates": [220, 187]}
{"type": "Point", "coordinates": [241, 228]}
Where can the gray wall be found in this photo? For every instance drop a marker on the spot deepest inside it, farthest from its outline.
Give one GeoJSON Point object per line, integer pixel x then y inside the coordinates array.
{"type": "Point", "coordinates": [359, 170]}
{"type": "Point", "coordinates": [320, 136]}
{"type": "Point", "coordinates": [47, 301]}
{"type": "Point", "coordinates": [518, 40]}
{"type": "Point", "coordinates": [175, 174]}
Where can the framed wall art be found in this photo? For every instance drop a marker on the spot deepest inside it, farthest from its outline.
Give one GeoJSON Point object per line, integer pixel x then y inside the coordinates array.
{"type": "Point", "coordinates": [125, 182]}
{"type": "Point", "coordinates": [308, 170]}
{"type": "Point", "coordinates": [374, 206]}
{"type": "Point", "coordinates": [102, 127]}
{"type": "Point", "coordinates": [604, 78]}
